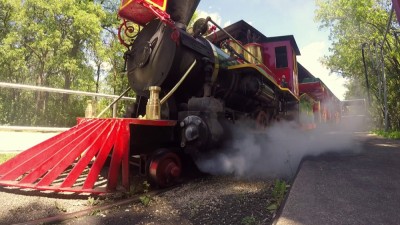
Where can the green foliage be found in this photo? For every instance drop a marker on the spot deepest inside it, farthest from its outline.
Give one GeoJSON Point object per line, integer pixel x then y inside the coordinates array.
{"type": "Point", "coordinates": [145, 199]}
{"type": "Point", "coordinates": [59, 207]}
{"type": "Point", "coordinates": [95, 212]}
{"type": "Point", "coordinates": [306, 109]}
{"type": "Point", "coordinates": [249, 220]}
{"type": "Point", "coordinates": [69, 44]}
{"type": "Point", "coordinates": [6, 156]}
{"type": "Point", "coordinates": [389, 134]}
{"type": "Point", "coordinates": [278, 194]}
{"type": "Point", "coordinates": [93, 201]}
{"type": "Point", "coordinates": [273, 207]}
{"type": "Point", "coordinates": [279, 191]}
{"type": "Point", "coordinates": [146, 186]}
{"type": "Point", "coordinates": [352, 23]}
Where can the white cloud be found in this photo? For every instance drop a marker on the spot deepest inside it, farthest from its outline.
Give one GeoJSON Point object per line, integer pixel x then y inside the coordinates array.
{"type": "Point", "coordinates": [227, 23]}
{"type": "Point", "coordinates": [310, 58]}
{"type": "Point", "coordinates": [214, 16]}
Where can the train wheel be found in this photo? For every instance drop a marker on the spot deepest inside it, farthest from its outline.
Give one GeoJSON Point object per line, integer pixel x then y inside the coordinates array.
{"type": "Point", "coordinates": [165, 168]}
{"type": "Point", "coordinates": [262, 120]}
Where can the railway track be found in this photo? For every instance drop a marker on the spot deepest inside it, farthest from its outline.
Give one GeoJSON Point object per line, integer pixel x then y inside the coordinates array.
{"type": "Point", "coordinates": [92, 210]}
{"type": "Point", "coordinates": [207, 200]}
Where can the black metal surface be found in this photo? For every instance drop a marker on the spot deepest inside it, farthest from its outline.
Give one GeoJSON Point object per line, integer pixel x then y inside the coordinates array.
{"type": "Point", "coordinates": [181, 11]}
{"type": "Point", "coordinates": [201, 131]}
{"type": "Point", "coordinates": [156, 60]}
{"type": "Point", "coordinates": [150, 59]}
{"type": "Point", "coordinates": [244, 92]}
{"type": "Point", "coordinates": [197, 45]}
{"type": "Point", "coordinates": [252, 87]}
{"type": "Point", "coordinates": [146, 139]}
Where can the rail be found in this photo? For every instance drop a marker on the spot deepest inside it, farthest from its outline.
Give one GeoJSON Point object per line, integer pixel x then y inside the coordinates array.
{"type": "Point", "coordinates": [59, 91]}
{"type": "Point", "coordinates": [33, 129]}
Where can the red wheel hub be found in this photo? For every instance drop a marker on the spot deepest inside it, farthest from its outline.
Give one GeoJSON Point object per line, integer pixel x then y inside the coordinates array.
{"type": "Point", "coordinates": [165, 169]}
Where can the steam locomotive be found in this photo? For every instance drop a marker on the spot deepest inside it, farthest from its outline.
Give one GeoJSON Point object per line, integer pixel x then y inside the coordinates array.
{"type": "Point", "coordinates": [191, 88]}
{"type": "Point", "coordinates": [203, 83]}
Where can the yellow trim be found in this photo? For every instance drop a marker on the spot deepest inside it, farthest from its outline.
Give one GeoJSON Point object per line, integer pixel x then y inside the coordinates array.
{"type": "Point", "coordinates": [127, 3]}
{"type": "Point", "coordinates": [265, 74]}
{"type": "Point", "coordinates": [163, 8]}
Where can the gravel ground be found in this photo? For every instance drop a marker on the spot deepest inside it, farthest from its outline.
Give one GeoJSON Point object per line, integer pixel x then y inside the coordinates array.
{"type": "Point", "coordinates": [211, 200]}
{"type": "Point", "coordinates": [21, 206]}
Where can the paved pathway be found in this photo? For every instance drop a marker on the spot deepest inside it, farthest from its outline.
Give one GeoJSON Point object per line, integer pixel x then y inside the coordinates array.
{"type": "Point", "coordinates": [11, 141]}
{"type": "Point", "coordinates": [347, 189]}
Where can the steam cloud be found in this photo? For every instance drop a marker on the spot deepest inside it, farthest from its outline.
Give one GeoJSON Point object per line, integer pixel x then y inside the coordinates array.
{"type": "Point", "coordinates": [276, 152]}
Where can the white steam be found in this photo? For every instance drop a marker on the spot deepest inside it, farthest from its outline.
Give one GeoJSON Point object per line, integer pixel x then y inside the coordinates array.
{"type": "Point", "coordinates": [275, 152]}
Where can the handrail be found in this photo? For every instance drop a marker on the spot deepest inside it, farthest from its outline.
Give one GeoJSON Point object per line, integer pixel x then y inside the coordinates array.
{"type": "Point", "coordinates": [60, 91]}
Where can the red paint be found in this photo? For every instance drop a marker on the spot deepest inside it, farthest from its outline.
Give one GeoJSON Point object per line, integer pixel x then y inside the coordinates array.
{"type": "Point", "coordinates": [291, 76]}
{"type": "Point", "coordinates": [314, 89]}
{"type": "Point", "coordinates": [143, 11]}
{"type": "Point", "coordinates": [57, 163]}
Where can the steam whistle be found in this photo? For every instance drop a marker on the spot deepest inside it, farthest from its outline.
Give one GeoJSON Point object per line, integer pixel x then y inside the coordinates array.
{"type": "Point", "coordinates": [153, 107]}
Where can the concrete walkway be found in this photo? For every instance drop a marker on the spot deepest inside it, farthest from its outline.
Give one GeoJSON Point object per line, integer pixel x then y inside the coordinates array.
{"type": "Point", "coordinates": [11, 141]}
{"type": "Point", "coordinates": [360, 189]}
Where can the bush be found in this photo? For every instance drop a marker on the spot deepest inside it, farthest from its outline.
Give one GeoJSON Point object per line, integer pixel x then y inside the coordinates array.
{"type": "Point", "coordinates": [389, 134]}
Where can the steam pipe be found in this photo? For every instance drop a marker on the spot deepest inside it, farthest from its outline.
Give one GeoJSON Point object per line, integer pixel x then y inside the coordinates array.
{"type": "Point", "coordinates": [112, 103]}
{"type": "Point", "coordinates": [163, 100]}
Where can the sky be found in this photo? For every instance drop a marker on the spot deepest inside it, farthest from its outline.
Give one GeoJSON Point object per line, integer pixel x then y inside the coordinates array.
{"type": "Point", "coordinates": [277, 18]}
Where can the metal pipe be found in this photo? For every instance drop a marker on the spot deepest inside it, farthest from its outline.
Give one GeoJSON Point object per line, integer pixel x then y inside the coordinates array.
{"type": "Point", "coordinates": [60, 91]}
{"type": "Point", "coordinates": [114, 110]}
{"type": "Point", "coordinates": [37, 129]}
{"type": "Point", "coordinates": [233, 39]}
{"type": "Point", "coordinates": [112, 103]}
{"type": "Point", "coordinates": [163, 100]}
{"type": "Point", "coordinates": [237, 42]}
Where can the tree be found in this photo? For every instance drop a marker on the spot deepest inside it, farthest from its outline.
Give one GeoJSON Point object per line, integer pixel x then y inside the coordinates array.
{"type": "Point", "coordinates": [352, 23]}
{"type": "Point", "coordinates": [46, 44]}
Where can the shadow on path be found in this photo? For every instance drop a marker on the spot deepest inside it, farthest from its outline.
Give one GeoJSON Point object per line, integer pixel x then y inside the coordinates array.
{"type": "Point", "coordinates": [347, 189]}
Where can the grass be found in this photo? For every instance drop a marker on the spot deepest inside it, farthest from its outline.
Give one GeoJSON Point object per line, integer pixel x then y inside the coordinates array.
{"type": "Point", "coordinates": [278, 194]}
{"type": "Point", "coordinates": [249, 220]}
{"type": "Point", "coordinates": [145, 199]}
{"type": "Point", "coordinates": [6, 156]}
{"type": "Point", "coordinates": [389, 134]}
{"type": "Point", "coordinates": [93, 201]}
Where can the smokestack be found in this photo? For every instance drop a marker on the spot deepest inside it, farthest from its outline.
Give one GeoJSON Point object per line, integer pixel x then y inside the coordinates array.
{"type": "Point", "coordinates": [181, 11]}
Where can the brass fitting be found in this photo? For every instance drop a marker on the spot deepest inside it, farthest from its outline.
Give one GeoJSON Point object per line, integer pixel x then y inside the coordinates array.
{"type": "Point", "coordinates": [153, 107]}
